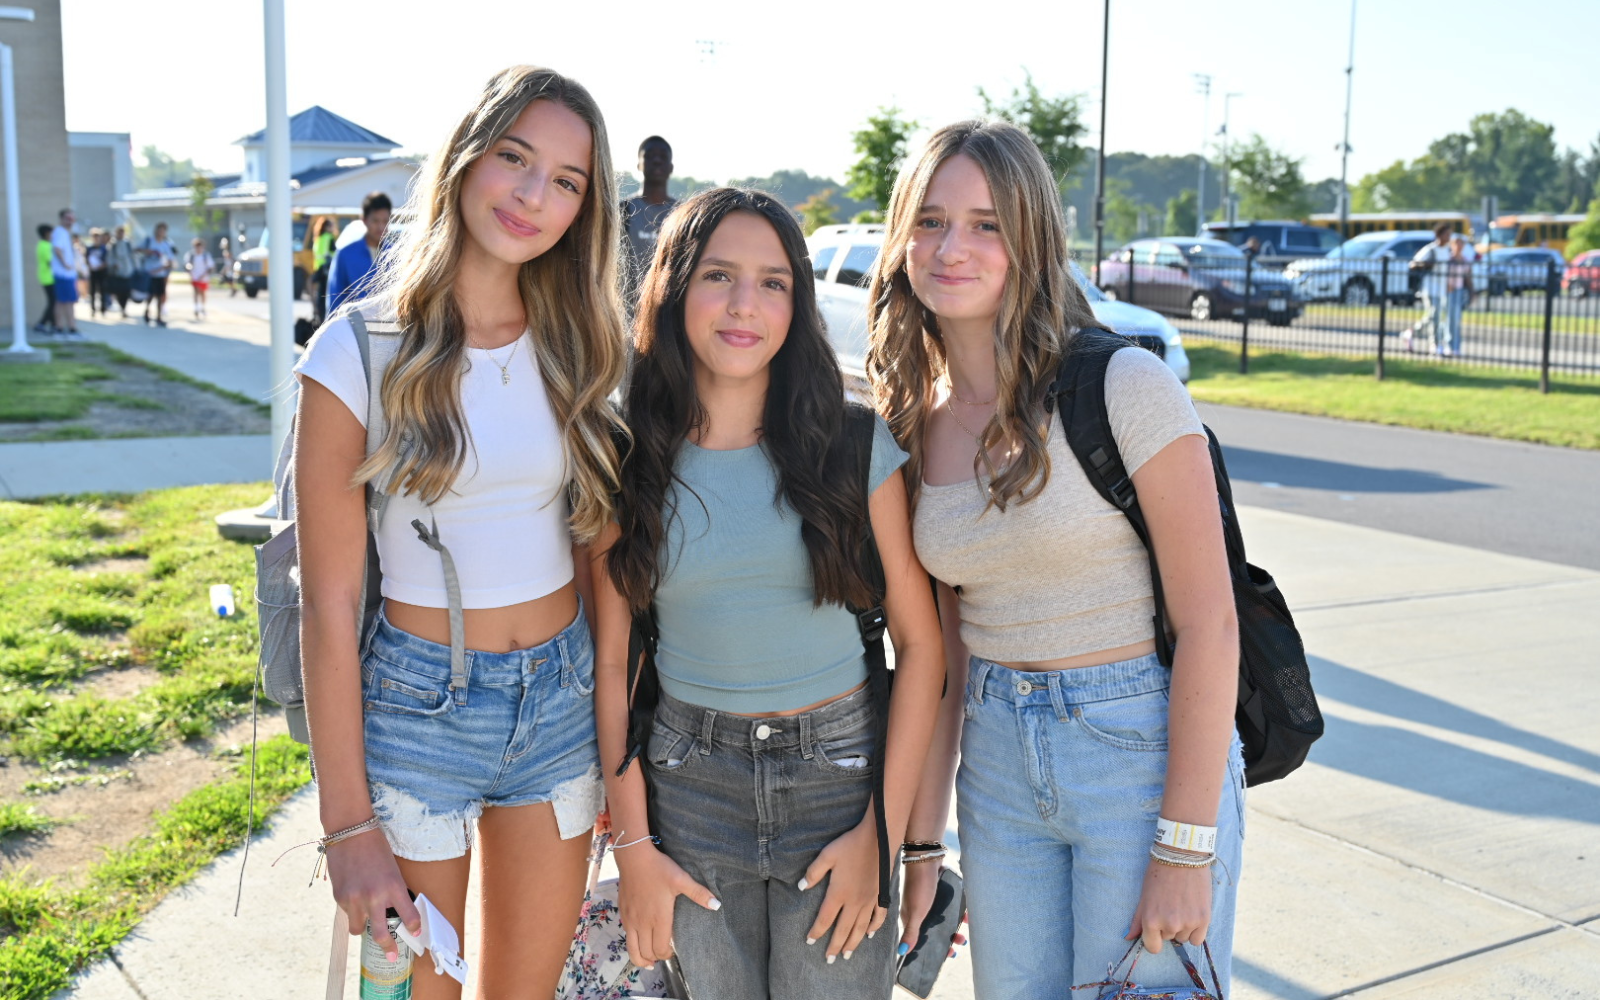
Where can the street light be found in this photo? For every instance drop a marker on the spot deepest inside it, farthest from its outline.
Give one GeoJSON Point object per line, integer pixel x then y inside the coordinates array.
{"type": "Point", "coordinates": [1100, 156]}
{"type": "Point", "coordinates": [20, 350]}
{"type": "Point", "coordinates": [1344, 147]}
{"type": "Point", "coordinates": [1227, 160]}
{"type": "Point", "coordinates": [1202, 83]}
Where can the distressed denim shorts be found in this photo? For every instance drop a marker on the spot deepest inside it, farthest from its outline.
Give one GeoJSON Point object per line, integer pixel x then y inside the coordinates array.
{"type": "Point", "coordinates": [744, 805]}
{"type": "Point", "coordinates": [521, 732]}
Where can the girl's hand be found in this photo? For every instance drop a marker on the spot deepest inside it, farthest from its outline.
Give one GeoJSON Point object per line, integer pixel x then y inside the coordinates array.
{"type": "Point", "coordinates": [916, 898]}
{"type": "Point", "coordinates": [649, 885]}
{"type": "Point", "coordinates": [851, 904]}
{"type": "Point", "coordinates": [367, 884]}
{"type": "Point", "coordinates": [1174, 905]}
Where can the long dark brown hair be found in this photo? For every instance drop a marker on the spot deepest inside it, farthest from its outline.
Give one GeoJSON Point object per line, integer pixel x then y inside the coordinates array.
{"type": "Point", "coordinates": [802, 428]}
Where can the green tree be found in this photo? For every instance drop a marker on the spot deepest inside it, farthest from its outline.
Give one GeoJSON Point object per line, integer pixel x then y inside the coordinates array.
{"type": "Point", "coordinates": [1508, 155]}
{"type": "Point", "coordinates": [1423, 185]}
{"type": "Point", "coordinates": [1182, 219]}
{"type": "Point", "coordinates": [202, 219]}
{"type": "Point", "coordinates": [880, 147]}
{"type": "Point", "coordinates": [1054, 123]}
{"type": "Point", "coordinates": [1269, 183]}
{"type": "Point", "coordinates": [1586, 234]}
{"type": "Point", "coordinates": [817, 211]}
{"type": "Point", "coordinates": [1122, 212]}
{"type": "Point", "coordinates": [160, 170]}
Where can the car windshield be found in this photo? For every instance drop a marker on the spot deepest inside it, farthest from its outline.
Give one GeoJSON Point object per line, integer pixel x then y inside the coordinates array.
{"type": "Point", "coordinates": [1212, 253]}
{"type": "Point", "coordinates": [1090, 292]}
{"type": "Point", "coordinates": [1356, 249]}
{"type": "Point", "coordinates": [1503, 234]}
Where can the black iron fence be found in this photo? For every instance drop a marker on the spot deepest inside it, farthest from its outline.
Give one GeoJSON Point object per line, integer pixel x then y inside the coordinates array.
{"type": "Point", "coordinates": [1536, 317]}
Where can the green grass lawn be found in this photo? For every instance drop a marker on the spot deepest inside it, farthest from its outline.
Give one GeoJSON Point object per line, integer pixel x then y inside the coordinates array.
{"type": "Point", "coordinates": [1492, 402]}
{"type": "Point", "coordinates": [98, 583]}
{"type": "Point", "coordinates": [1529, 315]}
{"type": "Point", "coordinates": [62, 389]}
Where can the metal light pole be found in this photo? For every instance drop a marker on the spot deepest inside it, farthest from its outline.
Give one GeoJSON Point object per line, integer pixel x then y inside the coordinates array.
{"type": "Point", "coordinates": [1344, 147]}
{"type": "Point", "coordinates": [1202, 83]}
{"type": "Point", "coordinates": [280, 255]}
{"type": "Point", "coordinates": [20, 350]}
{"type": "Point", "coordinates": [1227, 160]}
{"type": "Point", "coordinates": [1100, 156]}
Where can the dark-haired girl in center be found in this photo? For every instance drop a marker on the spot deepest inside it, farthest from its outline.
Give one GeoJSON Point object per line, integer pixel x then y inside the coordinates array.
{"type": "Point", "coordinates": [742, 519]}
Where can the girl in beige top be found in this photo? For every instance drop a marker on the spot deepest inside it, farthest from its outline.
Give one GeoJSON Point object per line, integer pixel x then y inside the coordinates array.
{"type": "Point", "coordinates": [1076, 745]}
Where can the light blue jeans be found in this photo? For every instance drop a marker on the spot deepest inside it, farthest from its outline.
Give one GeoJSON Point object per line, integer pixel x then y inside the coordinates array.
{"type": "Point", "coordinates": [1057, 797]}
{"type": "Point", "coordinates": [1455, 304]}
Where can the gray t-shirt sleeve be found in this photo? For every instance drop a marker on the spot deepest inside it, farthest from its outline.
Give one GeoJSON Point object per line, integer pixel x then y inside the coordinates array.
{"type": "Point", "coordinates": [886, 455]}
{"type": "Point", "coordinates": [1149, 408]}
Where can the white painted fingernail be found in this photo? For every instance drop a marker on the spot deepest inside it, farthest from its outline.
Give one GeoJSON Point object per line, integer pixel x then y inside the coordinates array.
{"type": "Point", "coordinates": [831, 958]}
{"type": "Point", "coordinates": [715, 904]}
{"type": "Point", "coordinates": [847, 955]}
{"type": "Point", "coordinates": [804, 885]}
{"type": "Point", "coordinates": [869, 934]}
{"type": "Point", "coordinates": [811, 940]}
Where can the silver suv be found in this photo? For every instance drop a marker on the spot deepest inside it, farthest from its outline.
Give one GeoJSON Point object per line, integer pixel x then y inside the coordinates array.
{"type": "Point", "coordinates": [842, 257]}
{"type": "Point", "coordinates": [1354, 272]}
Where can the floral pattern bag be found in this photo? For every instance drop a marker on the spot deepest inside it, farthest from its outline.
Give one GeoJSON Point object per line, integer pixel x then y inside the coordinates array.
{"type": "Point", "coordinates": [1119, 985]}
{"type": "Point", "coordinates": [598, 967]}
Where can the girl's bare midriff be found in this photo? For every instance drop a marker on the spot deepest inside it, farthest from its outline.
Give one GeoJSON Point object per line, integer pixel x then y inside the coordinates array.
{"type": "Point", "coordinates": [1087, 659]}
{"type": "Point", "coordinates": [491, 630]}
{"type": "Point", "coordinates": [803, 709]}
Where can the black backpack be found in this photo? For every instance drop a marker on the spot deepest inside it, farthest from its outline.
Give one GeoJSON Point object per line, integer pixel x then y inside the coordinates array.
{"type": "Point", "coordinates": [644, 685]}
{"type": "Point", "coordinates": [1277, 716]}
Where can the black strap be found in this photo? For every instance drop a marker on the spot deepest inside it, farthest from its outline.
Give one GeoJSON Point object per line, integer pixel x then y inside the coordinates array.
{"type": "Point", "coordinates": [1079, 393]}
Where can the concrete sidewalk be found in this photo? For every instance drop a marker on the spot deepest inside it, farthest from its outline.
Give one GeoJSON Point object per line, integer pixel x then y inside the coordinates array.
{"type": "Point", "coordinates": [229, 351]}
{"type": "Point", "coordinates": [1439, 844]}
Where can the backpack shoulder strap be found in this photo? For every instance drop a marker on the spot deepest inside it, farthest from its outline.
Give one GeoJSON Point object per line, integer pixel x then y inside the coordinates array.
{"type": "Point", "coordinates": [1079, 395]}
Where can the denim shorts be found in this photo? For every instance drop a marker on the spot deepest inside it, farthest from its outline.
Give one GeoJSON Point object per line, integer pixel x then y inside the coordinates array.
{"type": "Point", "coordinates": [520, 732]}
{"type": "Point", "coordinates": [744, 805]}
{"type": "Point", "coordinates": [1060, 786]}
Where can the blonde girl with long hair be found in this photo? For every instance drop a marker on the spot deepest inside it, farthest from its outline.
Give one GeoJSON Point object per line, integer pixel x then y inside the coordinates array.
{"type": "Point", "coordinates": [498, 450]}
{"type": "Point", "coordinates": [1076, 745]}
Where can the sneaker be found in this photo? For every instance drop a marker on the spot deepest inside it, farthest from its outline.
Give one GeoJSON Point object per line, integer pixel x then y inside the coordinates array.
{"type": "Point", "coordinates": [1405, 339]}
{"type": "Point", "coordinates": [161, 322]}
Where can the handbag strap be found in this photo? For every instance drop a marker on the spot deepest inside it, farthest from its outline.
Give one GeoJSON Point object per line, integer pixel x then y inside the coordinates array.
{"type": "Point", "coordinates": [1124, 980]}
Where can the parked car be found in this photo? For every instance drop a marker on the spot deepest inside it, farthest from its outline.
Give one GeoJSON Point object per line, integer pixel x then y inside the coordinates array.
{"type": "Point", "coordinates": [1514, 270]}
{"type": "Point", "coordinates": [1277, 239]}
{"type": "Point", "coordinates": [1582, 276]}
{"type": "Point", "coordinates": [842, 256]}
{"type": "Point", "coordinates": [1203, 279]}
{"type": "Point", "coordinates": [250, 267]}
{"type": "Point", "coordinates": [1353, 272]}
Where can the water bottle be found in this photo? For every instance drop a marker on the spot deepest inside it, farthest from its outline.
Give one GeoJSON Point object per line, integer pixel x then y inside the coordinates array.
{"type": "Point", "coordinates": [222, 599]}
{"type": "Point", "coordinates": [382, 979]}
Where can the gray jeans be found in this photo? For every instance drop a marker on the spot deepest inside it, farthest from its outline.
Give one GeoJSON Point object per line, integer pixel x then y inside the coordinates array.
{"type": "Point", "coordinates": [744, 806]}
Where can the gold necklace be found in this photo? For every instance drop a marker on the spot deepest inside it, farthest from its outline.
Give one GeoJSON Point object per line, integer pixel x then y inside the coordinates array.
{"type": "Point", "coordinates": [952, 384]}
{"type": "Point", "coordinates": [505, 374]}
{"type": "Point", "coordinates": [957, 419]}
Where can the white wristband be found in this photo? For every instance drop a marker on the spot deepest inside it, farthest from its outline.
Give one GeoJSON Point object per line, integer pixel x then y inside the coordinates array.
{"type": "Point", "coordinates": [1186, 836]}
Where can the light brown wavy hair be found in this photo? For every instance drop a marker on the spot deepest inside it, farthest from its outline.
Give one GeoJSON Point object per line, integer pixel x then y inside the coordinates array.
{"type": "Point", "coordinates": [569, 291]}
{"type": "Point", "coordinates": [1040, 309]}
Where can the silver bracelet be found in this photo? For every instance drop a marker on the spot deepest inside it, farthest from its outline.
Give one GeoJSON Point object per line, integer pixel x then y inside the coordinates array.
{"type": "Point", "coordinates": [1178, 859]}
{"type": "Point", "coordinates": [921, 856]}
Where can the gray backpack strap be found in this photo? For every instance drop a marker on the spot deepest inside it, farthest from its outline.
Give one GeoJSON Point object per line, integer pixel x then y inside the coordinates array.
{"type": "Point", "coordinates": [452, 586]}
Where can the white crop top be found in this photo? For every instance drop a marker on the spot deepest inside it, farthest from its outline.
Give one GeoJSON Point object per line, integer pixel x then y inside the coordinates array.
{"type": "Point", "coordinates": [505, 520]}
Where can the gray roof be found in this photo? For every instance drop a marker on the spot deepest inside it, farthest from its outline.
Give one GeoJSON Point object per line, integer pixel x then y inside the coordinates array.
{"type": "Point", "coordinates": [318, 124]}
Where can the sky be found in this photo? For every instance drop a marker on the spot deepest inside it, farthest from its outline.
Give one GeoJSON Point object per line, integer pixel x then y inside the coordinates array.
{"type": "Point", "coordinates": [766, 88]}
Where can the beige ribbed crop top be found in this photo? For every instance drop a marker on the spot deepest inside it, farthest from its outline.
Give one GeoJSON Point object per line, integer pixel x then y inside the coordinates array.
{"type": "Point", "coordinates": [1063, 574]}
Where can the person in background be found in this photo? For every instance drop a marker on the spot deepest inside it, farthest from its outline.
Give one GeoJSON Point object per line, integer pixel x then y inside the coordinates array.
{"type": "Point", "coordinates": [355, 261]}
{"type": "Point", "coordinates": [199, 264]}
{"type": "Point", "coordinates": [160, 256]}
{"type": "Point", "coordinates": [80, 264]}
{"type": "Point", "coordinates": [643, 213]}
{"type": "Point", "coordinates": [1433, 263]}
{"type": "Point", "coordinates": [64, 264]}
{"type": "Point", "coordinates": [95, 256]}
{"type": "Point", "coordinates": [1458, 290]}
{"type": "Point", "coordinates": [225, 266]}
{"type": "Point", "coordinates": [120, 264]}
{"type": "Point", "coordinates": [321, 261]}
{"type": "Point", "coordinates": [47, 280]}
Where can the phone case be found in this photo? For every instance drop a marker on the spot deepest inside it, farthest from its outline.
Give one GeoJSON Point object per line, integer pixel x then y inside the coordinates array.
{"type": "Point", "coordinates": [921, 966]}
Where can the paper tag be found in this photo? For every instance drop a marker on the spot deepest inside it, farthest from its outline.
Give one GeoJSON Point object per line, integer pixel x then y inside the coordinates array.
{"type": "Point", "coordinates": [439, 939]}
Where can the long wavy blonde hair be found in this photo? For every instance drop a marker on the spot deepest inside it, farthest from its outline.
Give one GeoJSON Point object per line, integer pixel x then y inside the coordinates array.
{"type": "Point", "coordinates": [1040, 309]}
{"type": "Point", "coordinates": [569, 291]}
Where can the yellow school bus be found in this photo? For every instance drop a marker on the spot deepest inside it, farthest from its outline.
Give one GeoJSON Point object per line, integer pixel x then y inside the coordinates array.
{"type": "Point", "coordinates": [1543, 230]}
{"type": "Point", "coordinates": [1373, 222]}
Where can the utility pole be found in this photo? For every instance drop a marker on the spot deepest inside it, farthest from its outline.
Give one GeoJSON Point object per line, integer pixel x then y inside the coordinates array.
{"type": "Point", "coordinates": [280, 255]}
{"type": "Point", "coordinates": [1100, 157]}
{"type": "Point", "coordinates": [1202, 83]}
{"type": "Point", "coordinates": [20, 349]}
{"type": "Point", "coordinates": [1344, 147]}
{"type": "Point", "coordinates": [1227, 160]}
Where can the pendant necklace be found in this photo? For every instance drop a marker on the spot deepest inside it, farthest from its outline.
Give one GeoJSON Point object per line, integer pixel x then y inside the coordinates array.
{"type": "Point", "coordinates": [505, 373]}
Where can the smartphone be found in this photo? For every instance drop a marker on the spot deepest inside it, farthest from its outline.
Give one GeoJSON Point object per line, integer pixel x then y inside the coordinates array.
{"type": "Point", "coordinates": [920, 967]}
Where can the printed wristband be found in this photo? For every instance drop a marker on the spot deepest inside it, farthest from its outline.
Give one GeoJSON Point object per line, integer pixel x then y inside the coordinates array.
{"type": "Point", "coordinates": [1186, 836]}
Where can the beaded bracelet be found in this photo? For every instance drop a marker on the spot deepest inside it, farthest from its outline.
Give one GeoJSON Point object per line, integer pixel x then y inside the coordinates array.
{"type": "Point", "coordinates": [1176, 859]}
{"type": "Point", "coordinates": [919, 858]}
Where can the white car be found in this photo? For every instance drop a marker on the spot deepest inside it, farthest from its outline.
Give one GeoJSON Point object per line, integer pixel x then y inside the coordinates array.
{"type": "Point", "coordinates": [842, 256]}
{"type": "Point", "coordinates": [1353, 271]}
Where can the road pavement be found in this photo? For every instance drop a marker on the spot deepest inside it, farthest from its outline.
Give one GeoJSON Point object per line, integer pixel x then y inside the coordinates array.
{"type": "Point", "coordinates": [1439, 843]}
